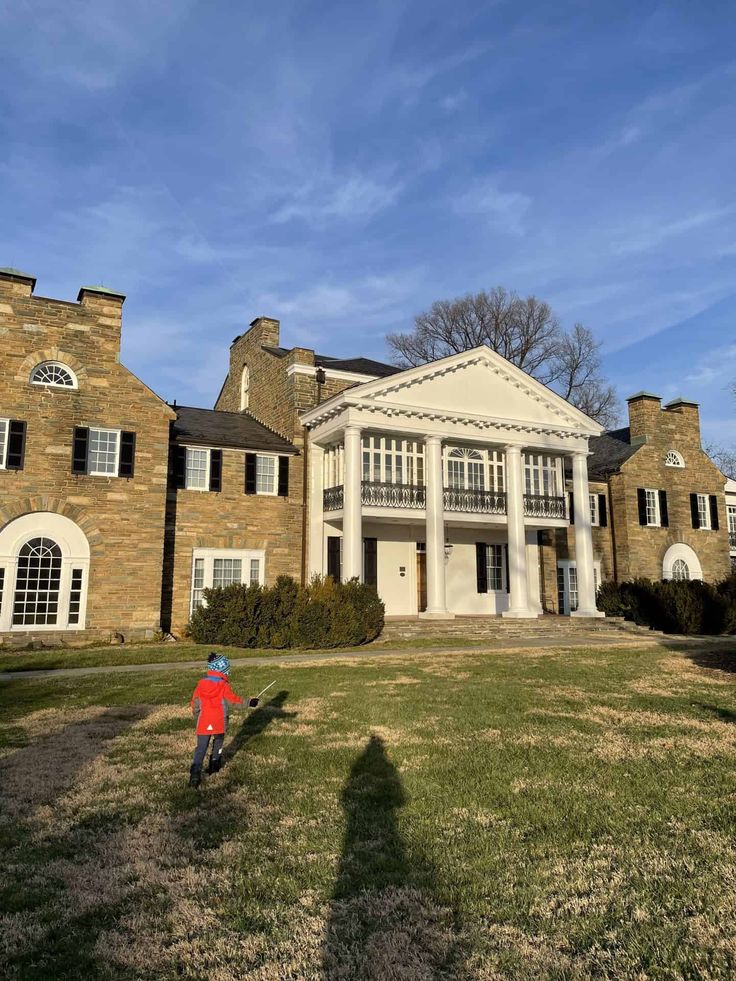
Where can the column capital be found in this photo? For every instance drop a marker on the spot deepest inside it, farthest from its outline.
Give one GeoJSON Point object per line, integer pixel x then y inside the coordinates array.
{"type": "Point", "coordinates": [433, 440]}
{"type": "Point", "coordinates": [352, 429]}
{"type": "Point", "coordinates": [580, 454]}
{"type": "Point", "coordinates": [513, 448]}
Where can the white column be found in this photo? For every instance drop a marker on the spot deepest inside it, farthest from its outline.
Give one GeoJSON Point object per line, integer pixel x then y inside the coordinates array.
{"type": "Point", "coordinates": [318, 463]}
{"type": "Point", "coordinates": [435, 515]}
{"type": "Point", "coordinates": [518, 583]}
{"type": "Point", "coordinates": [352, 529]}
{"type": "Point", "coordinates": [583, 539]}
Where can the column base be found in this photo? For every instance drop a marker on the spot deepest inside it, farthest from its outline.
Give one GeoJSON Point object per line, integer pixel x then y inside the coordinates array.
{"type": "Point", "coordinates": [520, 614]}
{"type": "Point", "coordinates": [588, 613]}
{"type": "Point", "coordinates": [436, 615]}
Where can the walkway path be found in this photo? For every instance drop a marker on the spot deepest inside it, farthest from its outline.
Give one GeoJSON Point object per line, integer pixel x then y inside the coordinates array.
{"type": "Point", "coordinates": [517, 644]}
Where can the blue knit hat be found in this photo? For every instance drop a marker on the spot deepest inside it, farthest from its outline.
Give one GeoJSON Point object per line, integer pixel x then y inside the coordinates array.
{"type": "Point", "coordinates": [218, 662]}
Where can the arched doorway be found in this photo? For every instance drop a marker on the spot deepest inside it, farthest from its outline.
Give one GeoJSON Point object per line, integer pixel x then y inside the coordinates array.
{"type": "Point", "coordinates": [44, 570]}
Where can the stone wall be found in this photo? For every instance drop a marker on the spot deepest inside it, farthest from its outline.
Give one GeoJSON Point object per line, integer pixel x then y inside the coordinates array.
{"type": "Point", "coordinates": [123, 519]}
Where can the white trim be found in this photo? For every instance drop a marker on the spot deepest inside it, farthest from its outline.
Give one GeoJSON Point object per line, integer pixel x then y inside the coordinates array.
{"type": "Point", "coordinates": [4, 445]}
{"type": "Point", "coordinates": [275, 491]}
{"type": "Point", "coordinates": [337, 374]}
{"type": "Point", "coordinates": [56, 364]}
{"type": "Point", "coordinates": [103, 473]}
{"type": "Point", "coordinates": [704, 524]}
{"type": "Point", "coordinates": [203, 449]}
{"type": "Point", "coordinates": [208, 555]}
{"type": "Point", "coordinates": [565, 566]}
{"type": "Point", "coordinates": [244, 387]}
{"type": "Point", "coordinates": [657, 523]}
{"type": "Point", "coordinates": [595, 513]}
{"type": "Point", "coordinates": [674, 459]}
{"type": "Point", "coordinates": [681, 551]}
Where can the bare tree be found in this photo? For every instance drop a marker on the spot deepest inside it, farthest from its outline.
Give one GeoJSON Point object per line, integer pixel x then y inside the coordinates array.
{"type": "Point", "coordinates": [526, 332]}
{"type": "Point", "coordinates": [724, 458]}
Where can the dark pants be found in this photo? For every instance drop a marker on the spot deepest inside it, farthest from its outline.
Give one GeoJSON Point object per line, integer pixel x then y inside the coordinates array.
{"type": "Point", "coordinates": [201, 750]}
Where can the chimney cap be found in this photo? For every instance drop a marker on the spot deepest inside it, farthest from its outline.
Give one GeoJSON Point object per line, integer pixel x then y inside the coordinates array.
{"type": "Point", "coordinates": [676, 403]}
{"type": "Point", "coordinates": [9, 273]}
{"type": "Point", "coordinates": [100, 289]}
{"type": "Point", "coordinates": [644, 395]}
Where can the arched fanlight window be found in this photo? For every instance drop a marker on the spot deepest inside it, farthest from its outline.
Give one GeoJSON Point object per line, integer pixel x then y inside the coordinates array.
{"type": "Point", "coordinates": [673, 459]}
{"type": "Point", "coordinates": [680, 569]}
{"type": "Point", "coordinates": [54, 375]}
{"type": "Point", "coordinates": [244, 387]}
{"type": "Point", "coordinates": [466, 469]}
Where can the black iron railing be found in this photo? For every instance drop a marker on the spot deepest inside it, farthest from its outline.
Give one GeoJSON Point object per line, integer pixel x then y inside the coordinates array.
{"type": "Point", "coordinates": [732, 539]}
{"type": "Point", "coordinates": [382, 495]}
{"type": "Point", "coordinates": [332, 498]}
{"type": "Point", "coordinates": [544, 506]}
{"type": "Point", "coordinates": [475, 501]}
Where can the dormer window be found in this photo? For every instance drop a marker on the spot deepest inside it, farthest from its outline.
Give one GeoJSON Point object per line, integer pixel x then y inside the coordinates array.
{"type": "Point", "coordinates": [673, 459]}
{"type": "Point", "coordinates": [53, 374]}
{"type": "Point", "coordinates": [244, 388]}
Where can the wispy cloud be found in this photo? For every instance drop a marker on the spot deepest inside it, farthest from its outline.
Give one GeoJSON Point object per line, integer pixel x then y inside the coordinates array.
{"type": "Point", "coordinates": [506, 210]}
{"type": "Point", "coordinates": [355, 197]}
{"type": "Point", "coordinates": [645, 235]}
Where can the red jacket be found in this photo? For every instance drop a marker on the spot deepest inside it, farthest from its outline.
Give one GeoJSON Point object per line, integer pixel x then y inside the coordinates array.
{"type": "Point", "coordinates": [208, 703]}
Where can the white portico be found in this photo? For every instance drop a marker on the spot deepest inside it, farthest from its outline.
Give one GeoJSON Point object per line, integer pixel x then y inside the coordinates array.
{"type": "Point", "coordinates": [434, 483]}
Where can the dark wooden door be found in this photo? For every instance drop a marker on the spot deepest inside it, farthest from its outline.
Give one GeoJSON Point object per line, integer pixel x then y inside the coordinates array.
{"type": "Point", "coordinates": [421, 581]}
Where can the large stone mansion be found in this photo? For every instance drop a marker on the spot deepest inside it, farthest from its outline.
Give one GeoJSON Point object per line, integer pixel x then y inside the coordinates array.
{"type": "Point", "coordinates": [463, 487]}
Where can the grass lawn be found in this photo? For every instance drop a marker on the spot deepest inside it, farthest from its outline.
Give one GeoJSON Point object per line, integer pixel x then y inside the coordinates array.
{"type": "Point", "coordinates": [94, 657]}
{"type": "Point", "coordinates": [561, 814]}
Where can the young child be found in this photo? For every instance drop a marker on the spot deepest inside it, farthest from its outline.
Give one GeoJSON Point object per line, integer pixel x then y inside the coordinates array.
{"type": "Point", "coordinates": [209, 707]}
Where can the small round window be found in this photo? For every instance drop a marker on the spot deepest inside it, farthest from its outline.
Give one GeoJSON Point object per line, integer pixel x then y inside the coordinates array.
{"type": "Point", "coordinates": [673, 459]}
{"type": "Point", "coordinates": [53, 374]}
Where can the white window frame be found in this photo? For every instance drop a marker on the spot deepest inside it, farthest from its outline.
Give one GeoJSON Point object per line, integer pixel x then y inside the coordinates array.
{"type": "Point", "coordinates": [275, 458]}
{"type": "Point", "coordinates": [197, 449]}
{"type": "Point", "coordinates": [103, 473]}
{"type": "Point", "coordinates": [595, 516]}
{"type": "Point", "coordinates": [54, 364]}
{"type": "Point", "coordinates": [657, 522]}
{"type": "Point", "coordinates": [567, 567]}
{"type": "Point", "coordinates": [542, 475]}
{"type": "Point", "coordinates": [704, 512]}
{"type": "Point", "coordinates": [676, 567]}
{"type": "Point", "coordinates": [731, 517]}
{"type": "Point", "coordinates": [674, 459]}
{"type": "Point", "coordinates": [244, 388]}
{"type": "Point", "coordinates": [5, 431]}
{"type": "Point", "coordinates": [502, 568]}
{"type": "Point", "coordinates": [208, 556]}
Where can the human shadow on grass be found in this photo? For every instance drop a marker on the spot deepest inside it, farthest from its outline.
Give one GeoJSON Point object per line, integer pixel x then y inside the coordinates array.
{"type": "Point", "coordinates": [724, 714]}
{"type": "Point", "coordinates": [384, 920]}
{"type": "Point", "coordinates": [713, 658]}
{"type": "Point", "coordinates": [255, 723]}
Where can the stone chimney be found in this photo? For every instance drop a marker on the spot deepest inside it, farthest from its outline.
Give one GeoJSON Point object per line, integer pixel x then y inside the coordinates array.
{"type": "Point", "coordinates": [687, 416]}
{"type": "Point", "coordinates": [265, 331]}
{"type": "Point", "coordinates": [13, 282]}
{"type": "Point", "coordinates": [644, 415]}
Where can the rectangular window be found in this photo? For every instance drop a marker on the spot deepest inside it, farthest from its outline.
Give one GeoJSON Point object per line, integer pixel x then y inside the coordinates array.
{"type": "Point", "coordinates": [102, 459]}
{"type": "Point", "coordinates": [386, 459]}
{"type": "Point", "coordinates": [541, 475]}
{"type": "Point", "coordinates": [573, 573]}
{"type": "Point", "coordinates": [594, 513]}
{"type": "Point", "coordinates": [198, 584]}
{"type": "Point", "coordinates": [731, 512]}
{"type": "Point", "coordinates": [652, 501]}
{"type": "Point", "coordinates": [265, 474]}
{"type": "Point", "coordinates": [255, 572]}
{"type": "Point", "coordinates": [496, 470]}
{"type": "Point", "coordinates": [225, 572]}
{"type": "Point", "coordinates": [216, 568]}
{"type": "Point", "coordinates": [197, 474]}
{"type": "Point", "coordinates": [494, 567]}
{"type": "Point", "coordinates": [703, 511]}
{"type": "Point", "coordinates": [75, 595]}
{"type": "Point", "coordinates": [4, 424]}
{"type": "Point", "coordinates": [560, 589]}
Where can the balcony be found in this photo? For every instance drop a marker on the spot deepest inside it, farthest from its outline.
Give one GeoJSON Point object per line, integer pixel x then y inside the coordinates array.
{"type": "Point", "coordinates": [474, 501]}
{"type": "Point", "coordinates": [382, 495]}
{"type": "Point", "coordinates": [332, 498]}
{"type": "Point", "coordinates": [544, 506]}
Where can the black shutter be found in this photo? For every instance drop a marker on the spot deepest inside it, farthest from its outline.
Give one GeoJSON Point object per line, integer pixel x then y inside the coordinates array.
{"type": "Point", "coordinates": [180, 466]}
{"type": "Point", "coordinates": [641, 495]}
{"type": "Point", "coordinates": [572, 508]}
{"type": "Point", "coordinates": [126, 464]}
{"type": "Point", "coordinates": [16, 445]}
{"type": "Point", "coordinates": [481, 566]}
{"type": "Point", "coordinates": [333, 557]}
{"type": "Point", "coordinates": [664, 515]}
{"type": "Point", "coordinates": [694, 513]}
{"type": "Point", "coordinates": [602, 511]}
{"type": "Point", "coordinates": [283, 476]}
{"type": "Point", "coordinates": [714, 512]}
{"type": "Point", "coordinates": [370, 561]}
{"type": "Point", "coordinates": [250, 473]}
{"type": "Point", "coordinates": [79, 452]}
{"type": "Point", "coordinates": [215, 470]}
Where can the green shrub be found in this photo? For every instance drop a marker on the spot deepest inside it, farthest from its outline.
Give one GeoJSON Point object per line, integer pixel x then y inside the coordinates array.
{"type": "Point", "coordinates": [321, 615]}
{"type": "Point", "coordinates": [682, 607]}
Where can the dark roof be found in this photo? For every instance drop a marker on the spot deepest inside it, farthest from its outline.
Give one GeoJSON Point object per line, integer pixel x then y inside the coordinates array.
{"type": "Point", "coordinates": [608, 451]}
{"type": "Point", "coordinates": [211, 427]}
{"type": "Point", "coordinates": [360, 366]}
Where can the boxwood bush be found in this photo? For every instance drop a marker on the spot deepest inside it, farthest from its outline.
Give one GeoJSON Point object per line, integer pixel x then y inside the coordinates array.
{"type": "Point", "coordinates": [679, 607]}
{"type": "Point", "coordinates": [323, 614]}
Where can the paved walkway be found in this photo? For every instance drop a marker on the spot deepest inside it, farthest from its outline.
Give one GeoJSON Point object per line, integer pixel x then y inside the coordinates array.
{"type": "Point", "coordinates": [517, 644]}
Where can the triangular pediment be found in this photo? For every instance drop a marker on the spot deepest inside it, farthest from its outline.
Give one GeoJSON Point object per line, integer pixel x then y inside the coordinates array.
{"type": "Point", "coordinates": [478, 383]}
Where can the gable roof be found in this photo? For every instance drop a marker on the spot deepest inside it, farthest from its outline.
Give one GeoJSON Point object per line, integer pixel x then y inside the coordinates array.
{"type": "Point", "coordinates": [212, 427]}
{"type": "Point", "coordinates": [609, 451]}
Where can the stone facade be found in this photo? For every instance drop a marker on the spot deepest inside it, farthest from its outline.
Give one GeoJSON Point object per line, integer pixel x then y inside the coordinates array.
{"type": "Point", "coordinates": [122, 518]}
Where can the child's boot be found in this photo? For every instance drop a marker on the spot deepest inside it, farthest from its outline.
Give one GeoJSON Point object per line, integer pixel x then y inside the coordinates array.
{"type": "Point", "coordinates": [215, 764]}
{"type": "Point", "coordinates": [195, 775]}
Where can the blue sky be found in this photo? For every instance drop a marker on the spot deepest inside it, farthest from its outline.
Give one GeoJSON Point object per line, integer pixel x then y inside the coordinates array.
{"type": "Point", "coordinates": [341, 165]}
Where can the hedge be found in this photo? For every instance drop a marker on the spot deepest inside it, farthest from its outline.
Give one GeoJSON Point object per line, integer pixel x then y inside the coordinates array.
{"type": "Point", "coordinates": [673, 606]}
{"type": "Point", "coordinates": [321, 615]}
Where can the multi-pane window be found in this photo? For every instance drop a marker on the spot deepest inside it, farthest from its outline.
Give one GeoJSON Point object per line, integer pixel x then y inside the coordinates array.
{"type": "Point", "coordinates": [102, 454]}
{"type": "Point", "coordinates": [75, 595]}
{"type": "Point", "coordinates": [389, 460]}
{"type": "Point", "coordinates": [542, 475]}
{"type": "Point", "coordinates": [465, 470]}
{"type": "Point", "coordinates": [53, 374]}
{"type": "Point", "coordinates": [703, 511]}
{"type": "Point", "coordinates": [680, 569]}
{"type": "Point", "coordinates": [37, 584]}
{"type": "Point", "coordinates": [225, 572]}
{"type": "Point", "coordinates": [197, 584]}
{"type": "Point", "coordinates": [494, 567]}
{"type": "Point", "coordinates": [197, 469]}
{"type": "Point", "coordinates": [573, 589]}
{"type": "Point", "coordinates": [265, 474]}
{"type": "Point", "coordinates": [255, 572]}
{"type": "Point", "coordinates": [673, 459]}
{"type": "Point", "coordinates": [731, 515]}
{"type": "Point", "coordinates": [217, 568]}
{"type": "Point", "coordinates": [652, 509]}
{"type": "Point", "coordinates": [595, 517]}
{"type": "Point", "coordinates": [4, 424]}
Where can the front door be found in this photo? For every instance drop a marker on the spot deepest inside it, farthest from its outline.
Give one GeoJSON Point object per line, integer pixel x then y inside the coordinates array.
{"type": "Point", "coordinates": [421, 577]}
{"type": "Point", "coordinates": [567, 585]}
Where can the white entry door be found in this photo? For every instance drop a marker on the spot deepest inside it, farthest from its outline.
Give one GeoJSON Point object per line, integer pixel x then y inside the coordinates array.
{"type": "Point", "coordinates": [567, 585]}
